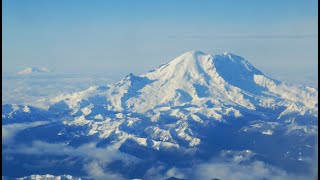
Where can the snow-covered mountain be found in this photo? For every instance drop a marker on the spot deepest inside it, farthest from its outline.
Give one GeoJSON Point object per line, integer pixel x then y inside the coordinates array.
{"type": "Point", "coordinates": [14, 113]}
{"type": "Point", "coordinates": [197, 106]}
{"type": "Point", "coordinates": [195, 78]}
{"type": "Point", "coordinates": [192, 90]}
{"type": "Point", "coordinates": [31, 70]}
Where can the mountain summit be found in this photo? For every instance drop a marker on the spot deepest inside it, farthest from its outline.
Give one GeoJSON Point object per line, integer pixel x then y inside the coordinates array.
{"type": "Point", "coordinates": [203, 76]}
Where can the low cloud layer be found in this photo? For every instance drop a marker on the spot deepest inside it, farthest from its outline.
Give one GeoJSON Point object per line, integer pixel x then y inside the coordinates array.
{"type": "Point", "coordinates": [225, 170]}
{"type": "Point", "coordinates": [9, 131]}
{"type": "Point", "coordinates": [96, 171]}
{"type": "Point", "coordinates": [87, 151]}
{"type": "Point", "coordinates": [235, 171]}
{"type": "Point", "coordinates": [97, 159]}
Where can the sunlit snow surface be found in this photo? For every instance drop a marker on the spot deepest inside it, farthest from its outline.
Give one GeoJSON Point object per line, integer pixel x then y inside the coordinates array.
{"type": "Point", "coordinates": [198, 116]}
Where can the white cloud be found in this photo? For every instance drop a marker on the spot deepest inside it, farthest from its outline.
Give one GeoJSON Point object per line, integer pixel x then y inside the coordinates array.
{"type": "Point", "coordinates": [9, 131]}
{"type": "Point", "coordinates": [95, 159]}
{"type": "Point", "coordinates": [34, 90]}
{"type": "Point", "coordinates": [174, 172]}
{"type": "Point", "coordinates": [234, 171]}
{"type": "Point", "coordinates": [96, 171]}
{"type": "Point", "coordinates": [225, 170]}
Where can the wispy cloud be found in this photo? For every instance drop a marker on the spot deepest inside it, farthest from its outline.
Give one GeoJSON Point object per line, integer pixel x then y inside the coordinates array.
{"type": "Point", "coordinates": [9, 131]}
{"type": "Point", "coordinates": [224, 170]}
{"type": "Point", "coordinates": [95, 159]}
{"type": "Point", "coordinates": [96, 171]}
{"type": "Point", "coordinates": [244, 36]}
{"type": "Point", "coordinates": [236, 171]}
{"type": "Point", "coordinates": [88, 151]}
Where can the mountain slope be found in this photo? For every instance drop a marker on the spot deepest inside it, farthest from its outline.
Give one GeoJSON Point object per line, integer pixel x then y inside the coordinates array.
{"type": "Point", "coordinates": [13, 113]}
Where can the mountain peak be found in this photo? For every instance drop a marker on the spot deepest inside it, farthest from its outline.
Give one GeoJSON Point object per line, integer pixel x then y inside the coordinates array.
{"type": "Point", "coordinates": [130, 76]}
{"type": "Point", "coordinates": [191, 55]}
{"type": "Point", "coordinates": [194, 52]}
{"type": "Point", "coordinates": [195, 62]}
{"type": "Point", "coordinates": [195, 75]}
{"type": "Point", "coordinates": [31, 70]}
{"type": "Point", "coordinates": [196, 55]}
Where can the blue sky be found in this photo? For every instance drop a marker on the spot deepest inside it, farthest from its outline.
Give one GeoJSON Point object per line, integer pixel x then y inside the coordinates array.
{"type": "Point", "coordinates": [122, 36]}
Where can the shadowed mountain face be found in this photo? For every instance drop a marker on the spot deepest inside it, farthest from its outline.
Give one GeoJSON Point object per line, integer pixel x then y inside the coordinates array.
{"type": "Point", "coordinates": [195, 108]}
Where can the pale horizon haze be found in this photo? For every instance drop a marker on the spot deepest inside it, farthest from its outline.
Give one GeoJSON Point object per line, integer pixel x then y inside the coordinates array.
{"type": "Point", "coordinates": [119, 37]}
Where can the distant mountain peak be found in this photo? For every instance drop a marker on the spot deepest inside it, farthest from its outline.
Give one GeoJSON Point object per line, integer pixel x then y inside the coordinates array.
{"type": "Point", "coordinates": [31, 70]}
